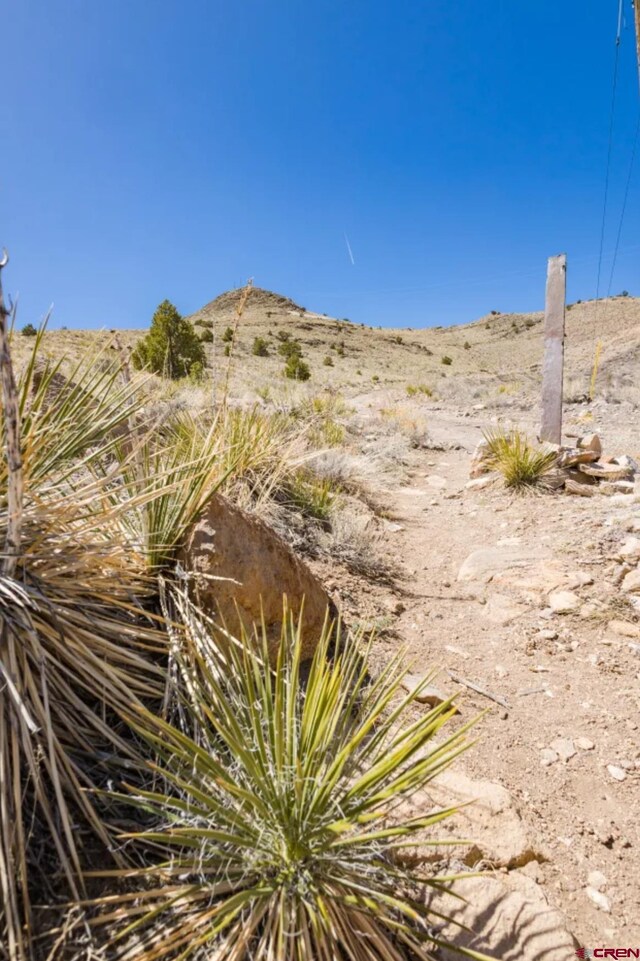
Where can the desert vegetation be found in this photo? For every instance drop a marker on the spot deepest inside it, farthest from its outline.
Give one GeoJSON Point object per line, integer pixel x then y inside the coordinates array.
{"type": "Point", "coordinates": [261, 804]}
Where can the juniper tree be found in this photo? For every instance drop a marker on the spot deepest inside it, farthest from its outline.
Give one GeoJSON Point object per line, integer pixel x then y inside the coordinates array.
{"type": "Point", "coordinates": [171, 347]}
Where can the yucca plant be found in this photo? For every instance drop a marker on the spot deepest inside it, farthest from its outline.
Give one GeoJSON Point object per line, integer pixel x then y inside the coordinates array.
{"type": "Point", "coordinates": [521, 464]}
{"type": "Point", "coordinates": [75, 634]}
{"type": "Point", "coordinates": [273, 819]}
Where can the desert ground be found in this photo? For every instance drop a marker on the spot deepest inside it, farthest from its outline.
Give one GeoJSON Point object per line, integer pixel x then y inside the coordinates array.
{"type": "Point", "coordinates": [514, 600]}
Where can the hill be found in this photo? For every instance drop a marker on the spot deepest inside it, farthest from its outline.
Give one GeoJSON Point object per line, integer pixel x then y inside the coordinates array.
{"type": "Point", "coordinates": [494, 359]}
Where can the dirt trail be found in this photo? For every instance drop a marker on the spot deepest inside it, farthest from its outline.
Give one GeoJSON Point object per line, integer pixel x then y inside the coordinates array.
{"type": "Point", "coordinates": [578, 680]}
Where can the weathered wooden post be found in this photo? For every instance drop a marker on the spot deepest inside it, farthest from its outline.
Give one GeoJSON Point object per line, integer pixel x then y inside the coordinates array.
{"type": "Point", "coordinates": [553, 364]}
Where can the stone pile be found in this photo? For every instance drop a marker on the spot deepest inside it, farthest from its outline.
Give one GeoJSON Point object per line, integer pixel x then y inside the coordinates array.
{"type": "Point", "coordinates": [582, 470]}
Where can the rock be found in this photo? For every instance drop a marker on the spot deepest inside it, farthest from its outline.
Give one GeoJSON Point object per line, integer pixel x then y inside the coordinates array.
{"type": "Point", "coordinates": [490, 819]}
{"type": "Point", "coordinates": [617, 773]}
{"type": "Point", "coordinates": [564, 602]}
{"type": "Point", "coordinates": [571, 456]}
{"type": "Point", "coordinates": [630, 549]}
{"type": "Point", "coordinates": [485, 563]}
{"type": "Point", "coordinates": [582, 490]}
{"type": "Point", "coordinates": [631, 583]}
{"type": "Point", "coordinates": [502, 610]}
{"type": "Point", "coordinates": [547, 635]}
{"type": "Point", "coordinates": [428, 695]}
{"type": "Point", "coordinates": [599, 899]}
{"type": "Point", "coordinates": [613, 488]}
{"type": "Point", "coordinates": [608, 472]}
{"type": "Point", "coordinates": [509, 918]}
{"type": "Point", "coordinates": [480, 483]}
{"type": "Point", "coordinates": [564, 748]}
{"type": "Point", "coordinates": [438, 482]}
{"type": "Point", "coordinates": [625, 461]}
{"type": "Point", "coordinates": [584, 743]}
{"type": "Point", "coordinates": [578, 579]}
{"type": "Point", "coordinates": [554, 479]}
{"type": "Point", "coordinates": [257, 568]}
{"type": "Point", "coordinates": [481, 460]}
{"type": "Point", "coordinates": [590, 442]}
{"type": "Point", "coordinates": [596, 880]}
{"type": "Point", "coordinates": [624, 628]}
{"type": "Point", "coordinates": [548, 757]}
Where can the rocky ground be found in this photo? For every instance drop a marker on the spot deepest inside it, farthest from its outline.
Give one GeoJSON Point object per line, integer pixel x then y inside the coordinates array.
{"type": "Point", "coordinates": [531, 600]}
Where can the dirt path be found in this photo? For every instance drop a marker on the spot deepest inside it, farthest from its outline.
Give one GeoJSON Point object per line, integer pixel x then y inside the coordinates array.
{"type": "Point", "coordinates": [563, 676]}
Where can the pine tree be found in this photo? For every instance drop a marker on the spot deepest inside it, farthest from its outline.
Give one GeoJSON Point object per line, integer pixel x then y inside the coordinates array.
{"type": "Point", "coordinates": [171, 347]}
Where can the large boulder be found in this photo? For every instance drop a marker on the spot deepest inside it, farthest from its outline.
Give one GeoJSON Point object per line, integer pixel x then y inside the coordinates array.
{"type": "Point", "coordinates": [244, 570]}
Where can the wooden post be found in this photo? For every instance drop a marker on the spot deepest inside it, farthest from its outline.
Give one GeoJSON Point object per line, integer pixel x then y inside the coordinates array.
{"type": "Point", "coordinates": [553, 365]}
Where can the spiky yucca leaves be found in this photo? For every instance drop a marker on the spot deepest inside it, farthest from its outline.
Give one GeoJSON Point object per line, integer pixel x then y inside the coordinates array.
{"type": "Point", "coordinates": [521, 464]}
{"type": "Point", "coordinates": [273, 819]}
{"type": "Point", "coordinates": [75, 638]}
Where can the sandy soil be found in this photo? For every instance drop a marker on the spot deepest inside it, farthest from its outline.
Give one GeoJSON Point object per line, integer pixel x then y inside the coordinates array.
{"type": "Point", "coordinates": [578, 680]}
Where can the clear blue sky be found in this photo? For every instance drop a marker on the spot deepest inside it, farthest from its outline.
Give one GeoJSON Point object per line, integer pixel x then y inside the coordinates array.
{"type": "Point", "coordinates": [164, 149]}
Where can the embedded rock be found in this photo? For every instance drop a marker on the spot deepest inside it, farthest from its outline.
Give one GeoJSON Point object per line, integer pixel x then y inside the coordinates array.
{"type": "Point", "coordinates": [242, 569]}
{"type": "Point", "coordinates": [510, 919]}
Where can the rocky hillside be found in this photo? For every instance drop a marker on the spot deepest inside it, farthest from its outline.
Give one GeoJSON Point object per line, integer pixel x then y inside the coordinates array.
{"type": "Point", "coordinates": [495, 359]}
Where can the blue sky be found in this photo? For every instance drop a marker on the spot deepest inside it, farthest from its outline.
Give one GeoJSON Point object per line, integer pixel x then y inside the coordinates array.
{"type": "Point", "coordinates": [168, 149]}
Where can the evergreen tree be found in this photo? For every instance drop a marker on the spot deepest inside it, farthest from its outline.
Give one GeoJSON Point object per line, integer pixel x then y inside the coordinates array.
{"type": "Point", "coordinates": [171, 347]}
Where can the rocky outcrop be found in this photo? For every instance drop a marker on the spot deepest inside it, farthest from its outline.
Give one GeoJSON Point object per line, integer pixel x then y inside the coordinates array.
{"type": "Point", "coordinates": [242, 570]}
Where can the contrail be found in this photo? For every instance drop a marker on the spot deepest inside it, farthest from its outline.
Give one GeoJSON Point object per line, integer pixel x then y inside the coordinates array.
{"type": "Point", "coordinates": [346, 240]}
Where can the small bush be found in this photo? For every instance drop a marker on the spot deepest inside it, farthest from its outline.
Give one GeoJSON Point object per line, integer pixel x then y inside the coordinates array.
{"type": "Point", "coordinates": [375, 379]}
{"type": "Point", "coordinates": [206, 336]}
{"type": "Point", "coordinates": [359, 372]}
{"type": "Point", "coordinates": [397, 339]}
{"type": "Point", "coordinates": [521, 464]}
{"type": "Point", "coordinates": [447, 361]}
{"type": "Point", "coordinates": [196, 372]}
{"type": "Point", "coordinates": [625, 293]}
{"type": "Point", "coordinates": [467, 345]}
{"type": "Point", "coordinates": [296, 369]}
{"type": "Point", "coordinates": [340, 350]}
{"type": "Point", "coordinates": [207, 324]}
{"type": "Point", "coordinates": [227, 336]}
{"type": "Point", "coordinates": [328, 362]}
{"type": "Point", "coordinates": [260, 347]}
{"type": "Point", "coordinates": [290, 348]}
{"type": "Point", "coordinates": [414, 389]}
{"type": "Point", "coordinates": [29, 330]}
{"type": "Point", "coordinates": [283, 335]}
{"type": "Point", "coordinates": [227, 350]}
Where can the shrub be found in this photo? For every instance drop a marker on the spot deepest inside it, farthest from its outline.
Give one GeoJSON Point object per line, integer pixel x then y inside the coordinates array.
{"type": "Point", "coordinates": [227, 336]}
{"type": "Point", "coordinates": [260, 347]}
{"type": "Point", "coordinates": [283, 335]}
{"type": "Point", "coordinates": [397, 339]}
{"type": "Point", "coordinates": [467, 345]}
{"type": "Point", "coordinates": [274, 812]}
{"type": "Point", "coordinates": [196, 372]}
{"type": "Point", "coordinates": [296, 369]}
{"type": "Point", "coordinates": [413, 389]}
{"type": "Point", "coordinates": [207, 324]}
{"type": "Point", "coordinates": [521, 464]}
{"type": "Point", "coordinates": [171, 346]}
{"type": "Point", "coordinates": [340, 350]}
{"type": "Point", "coordinates": [227, 350]}
{"type": "Point", "coordinates": [375, 379]}
{"type": "Point", "coordinates": [447, 361]}
{"type": "Point", "coordinates": [29, 330]}
{"type": "Point", "coordinates": [359, 372]}
{"type": "Point", "coordinates": [625, 293]}
{"type": "Point", "coordinates": [328, 362]}
{"type": "Point", "coordinates": [206, 336]}
{"type": "Point", "coordinates": [290, 348]}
